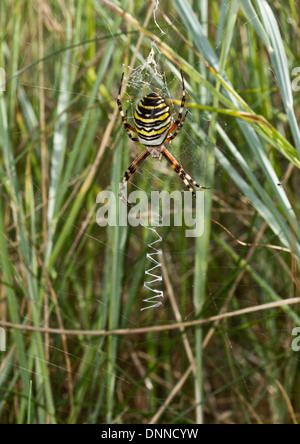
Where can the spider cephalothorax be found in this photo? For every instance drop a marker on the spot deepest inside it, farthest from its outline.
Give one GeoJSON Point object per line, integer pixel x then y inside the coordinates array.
{"type": "Point", "coordinates": [153, 127]}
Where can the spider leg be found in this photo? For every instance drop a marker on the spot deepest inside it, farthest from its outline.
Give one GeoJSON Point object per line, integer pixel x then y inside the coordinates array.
{"type": "Point", "coordinates": [129, 172]}
{"type": "Point", "coordinates": [172, 136]}
{"type": "Point", "coordinates": [188, 181]}
{"type": "Point", "coordinates": [127, 127]}
{"type": "Point", "coordinates": [178, 124]}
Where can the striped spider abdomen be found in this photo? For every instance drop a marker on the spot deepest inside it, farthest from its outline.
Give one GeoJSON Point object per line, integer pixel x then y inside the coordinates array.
{"type": "Point", "coordinates": [152, 120]}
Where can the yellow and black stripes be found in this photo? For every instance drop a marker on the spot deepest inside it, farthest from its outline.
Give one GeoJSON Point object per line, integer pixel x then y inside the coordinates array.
{"type": "Point", "coordinates": [152, 120]}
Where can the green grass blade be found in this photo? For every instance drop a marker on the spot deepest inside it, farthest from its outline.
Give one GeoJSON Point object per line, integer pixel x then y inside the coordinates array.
{"type": "Point", "coordinates": [59, 145]}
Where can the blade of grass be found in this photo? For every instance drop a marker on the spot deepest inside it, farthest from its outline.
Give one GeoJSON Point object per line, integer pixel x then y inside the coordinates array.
{"type": "Point", "coordinates": [59, 143]}
{"type": "Point", "coordinates": [13, 308]}
{"type": "Point", "coordinates": [114, 267]}
{"type": "Point", "coordinates": [29, 403]}
{"type": "Point", "coordinates": [268, 29]}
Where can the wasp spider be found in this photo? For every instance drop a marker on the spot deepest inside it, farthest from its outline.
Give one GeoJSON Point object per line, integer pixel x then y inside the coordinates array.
{"type": "Point", "coordinates": [153, 127]}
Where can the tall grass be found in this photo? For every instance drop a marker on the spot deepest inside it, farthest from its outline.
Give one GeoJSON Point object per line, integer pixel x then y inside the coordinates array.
{"type": "Point", "coordinates": [71, 291]}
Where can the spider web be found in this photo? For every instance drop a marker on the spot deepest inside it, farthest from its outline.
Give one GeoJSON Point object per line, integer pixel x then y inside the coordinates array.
{"type": "Point", "coordinates": [158, 176]}
{"type": "Point", "coordinates": [138, 81]}
{"type": "Point", "coordinates": [150, 77]}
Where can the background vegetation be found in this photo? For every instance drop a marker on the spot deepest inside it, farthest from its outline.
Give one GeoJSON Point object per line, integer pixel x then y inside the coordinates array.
{"type": "Point", "coordinates": [77, 289]}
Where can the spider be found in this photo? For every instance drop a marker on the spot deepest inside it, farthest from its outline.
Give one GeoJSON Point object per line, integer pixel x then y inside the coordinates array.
{"type": "Point", "coordinates": [153, 126]}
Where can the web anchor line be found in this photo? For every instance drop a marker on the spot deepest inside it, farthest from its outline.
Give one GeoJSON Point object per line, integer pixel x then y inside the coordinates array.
{"type": "Point", "coordinates": [149, 285]}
